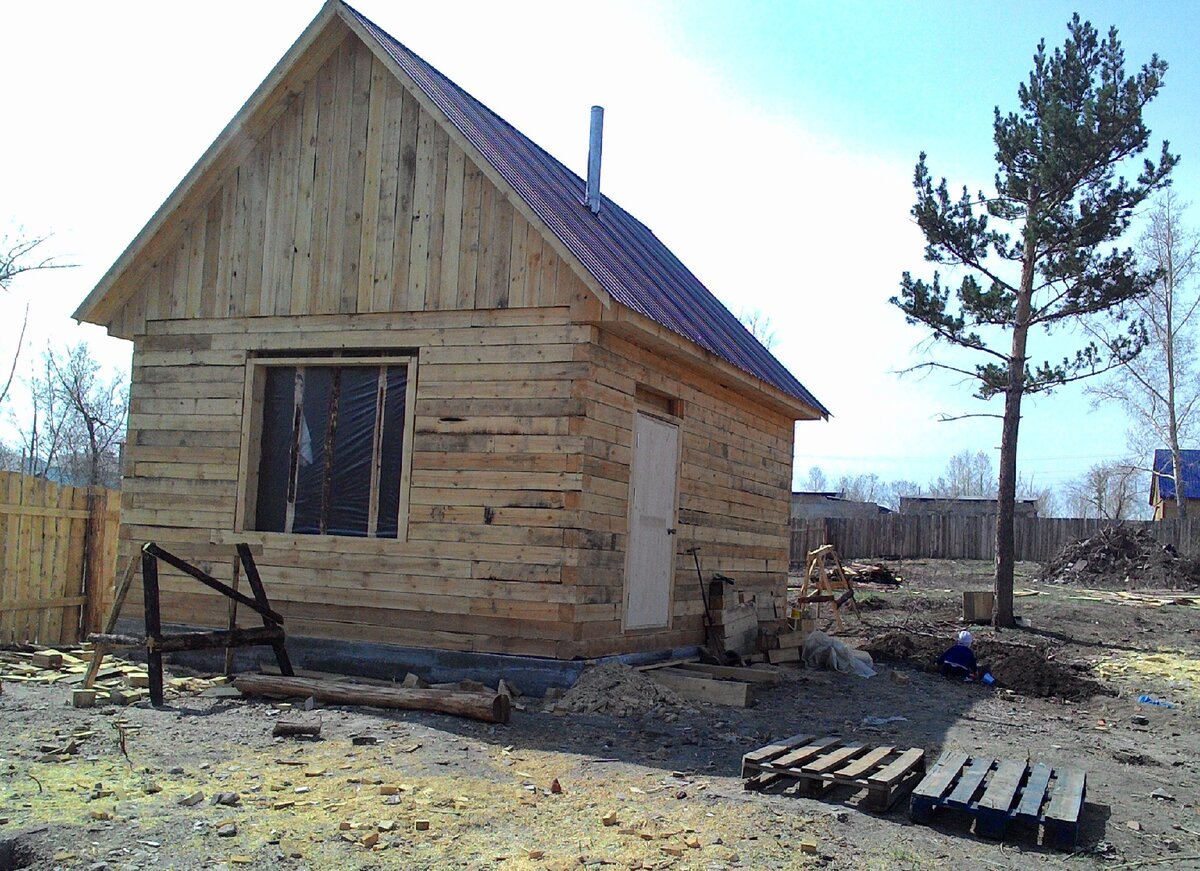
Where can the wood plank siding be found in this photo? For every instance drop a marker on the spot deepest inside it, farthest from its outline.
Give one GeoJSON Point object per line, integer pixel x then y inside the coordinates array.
{"type": "Point", "coordinates": [356, 221]}
{"type": "Point", "coordinates": [356, 200]}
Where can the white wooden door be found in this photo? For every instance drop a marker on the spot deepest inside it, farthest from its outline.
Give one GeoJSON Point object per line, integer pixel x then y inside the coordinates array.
{"type": "Point", "coordinates": [650, 562]}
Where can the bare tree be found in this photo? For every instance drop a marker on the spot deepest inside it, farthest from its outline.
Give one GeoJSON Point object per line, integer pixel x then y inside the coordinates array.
{"type": "Point", "coordinates": [76, 422]}
{"type": "Point", "coordinates": [816, 482]}
{"type": "Point", "coordinates": [1108, 491]}
{"type": "Point", "coordinates": [1047, 501]}
{"type": "Point", "coordinates": [760, 327]}
{"type": "Point", "coordinates": [862, 488]}
{"type": "Point", "coordinates": [1160, 389]}
{"type": "Point", "coordinates": [968, 476]}
{"type": "Point", "coordinates": [17, 256]}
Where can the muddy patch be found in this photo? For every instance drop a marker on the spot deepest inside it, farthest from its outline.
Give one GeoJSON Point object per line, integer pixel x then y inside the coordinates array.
{"type": "Point", "coordinates": [1024, 668]}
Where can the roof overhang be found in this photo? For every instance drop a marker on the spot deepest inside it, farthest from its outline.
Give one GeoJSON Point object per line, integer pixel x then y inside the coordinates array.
{"type": "Point", "coordinates": [642, 330]}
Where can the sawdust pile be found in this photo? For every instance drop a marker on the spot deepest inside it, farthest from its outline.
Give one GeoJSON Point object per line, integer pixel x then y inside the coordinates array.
{"type": "Point", "coordinates": [619, 691]}
{"type": "Point", "coordinates": [1119, 558]}
{"type": "Point", "coordinates": [1023, 668]}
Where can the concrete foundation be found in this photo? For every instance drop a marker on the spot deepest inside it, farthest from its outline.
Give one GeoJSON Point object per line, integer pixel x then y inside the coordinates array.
{"type": "Point", "coordinates": [533, 675]}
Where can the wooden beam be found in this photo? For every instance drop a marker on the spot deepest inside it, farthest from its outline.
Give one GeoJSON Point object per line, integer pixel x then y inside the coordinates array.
{"type": "Point", "coordinates": [700, 689]}
{"type": "Point", "coordinates": [488, 707]}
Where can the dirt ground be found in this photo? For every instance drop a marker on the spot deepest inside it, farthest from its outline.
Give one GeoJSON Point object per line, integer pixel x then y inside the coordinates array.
{"type": "Point", "coordinates": [669, 778]}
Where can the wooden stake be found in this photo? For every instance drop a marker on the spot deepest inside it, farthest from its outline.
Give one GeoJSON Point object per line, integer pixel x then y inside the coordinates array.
{"type": "Point", "coordinates": [237, 565]}
{"type": "Point", "coordinates": [110, 623]}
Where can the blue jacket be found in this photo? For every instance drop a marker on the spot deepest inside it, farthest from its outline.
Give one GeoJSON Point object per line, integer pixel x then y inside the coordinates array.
{"type": "Point", "coordinates": [959, 660]}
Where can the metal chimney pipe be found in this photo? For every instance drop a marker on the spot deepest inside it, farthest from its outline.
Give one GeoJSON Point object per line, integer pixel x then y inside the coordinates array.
{"type": "Point", "coordinates": [595, 145]}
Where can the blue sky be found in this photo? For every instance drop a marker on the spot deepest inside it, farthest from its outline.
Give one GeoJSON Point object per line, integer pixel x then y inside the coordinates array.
{"type": "Point", "coordinates": [771, 145]}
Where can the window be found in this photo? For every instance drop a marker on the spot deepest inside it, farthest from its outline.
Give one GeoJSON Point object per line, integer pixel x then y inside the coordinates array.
{"type": "Point", "coordinates": [330, 446]}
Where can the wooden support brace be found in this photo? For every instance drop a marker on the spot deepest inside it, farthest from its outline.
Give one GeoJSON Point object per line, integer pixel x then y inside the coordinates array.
{"type": "Point", "coordinates": [209, 581]}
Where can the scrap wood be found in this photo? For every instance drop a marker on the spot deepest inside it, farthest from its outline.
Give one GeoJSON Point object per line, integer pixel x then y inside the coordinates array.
{"type": "Point", "coordinates": [488, 707]}
{"type": "Point", "coordinates": [1146, 599]}
{"type": "Point", "coordinates": [872, 573]}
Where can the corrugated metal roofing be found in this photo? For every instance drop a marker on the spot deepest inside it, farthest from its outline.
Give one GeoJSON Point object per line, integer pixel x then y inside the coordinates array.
{"type": "Point", "coordinates": [627, 260]}
{"type": "Point", "coordinates": [1164, 473]}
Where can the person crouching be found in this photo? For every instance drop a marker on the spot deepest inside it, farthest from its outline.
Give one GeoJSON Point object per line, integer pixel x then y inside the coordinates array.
{"type": "Point", "coordinates": [959, 661]}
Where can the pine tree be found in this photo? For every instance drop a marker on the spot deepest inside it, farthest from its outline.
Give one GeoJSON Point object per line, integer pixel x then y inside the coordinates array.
{"type": "Point", "coordinates": [1036, 253]}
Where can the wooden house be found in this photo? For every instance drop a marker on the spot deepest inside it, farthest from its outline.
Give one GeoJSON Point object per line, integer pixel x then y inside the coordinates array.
{"type": "Point", "coordinates": [1163, 485]}
{"type": "Point", "coordinates": [450, 400]}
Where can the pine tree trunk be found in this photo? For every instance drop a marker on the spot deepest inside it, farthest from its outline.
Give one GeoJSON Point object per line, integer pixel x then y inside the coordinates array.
{"type": "Point", "coordinates": [1006, 495]}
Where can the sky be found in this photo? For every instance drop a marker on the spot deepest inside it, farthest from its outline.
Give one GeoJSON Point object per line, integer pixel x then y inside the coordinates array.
{"type": "Point", "coordinates": [771, 145]}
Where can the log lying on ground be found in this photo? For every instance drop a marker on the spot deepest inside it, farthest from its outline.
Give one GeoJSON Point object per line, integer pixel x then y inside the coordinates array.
{"type": "Point", "coordinates": [488, 707]}
{"type": "Point", "coordinates": [296, 729]}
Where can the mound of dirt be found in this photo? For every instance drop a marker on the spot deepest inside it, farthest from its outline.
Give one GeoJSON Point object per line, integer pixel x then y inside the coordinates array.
{"type": "Point", "coordinates": [619, 691]}
{"type": "Point", "coordinates": [1024, 668]}
{"type": "Point", "coordinates": [1119, 558]}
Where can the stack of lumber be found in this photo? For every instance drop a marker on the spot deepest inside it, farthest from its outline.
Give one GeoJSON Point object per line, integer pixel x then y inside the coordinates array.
{"type": "Point", "coordinates": [784, 646]}
{"type": "Point", "coordinates": [716, 684]}
{"type": "Point", "coordinates": [118, 681]}
{"type": "Point", "coordinates": [735, 618]}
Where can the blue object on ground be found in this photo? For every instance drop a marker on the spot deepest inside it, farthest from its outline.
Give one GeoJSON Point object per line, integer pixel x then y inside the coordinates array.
{"type": "Point", "coordinates": [1150, 700]}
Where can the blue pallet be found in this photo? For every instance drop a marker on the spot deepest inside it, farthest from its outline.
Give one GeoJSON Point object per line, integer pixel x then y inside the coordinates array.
{"type": "Point", "coordinates": [997, 792]}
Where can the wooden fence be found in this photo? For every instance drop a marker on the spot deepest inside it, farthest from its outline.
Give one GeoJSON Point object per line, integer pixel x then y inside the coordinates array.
{"type": "Point", "coordinates": [913, 536]}
{"type": "Point", "coordinates": [58, 552]}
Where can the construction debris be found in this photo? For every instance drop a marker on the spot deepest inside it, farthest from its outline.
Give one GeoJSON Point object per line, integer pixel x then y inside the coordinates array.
{"type": "Point", "coordinates": [619, 691]}
{"type": "Point", "coordinates": [119, 681]}
{"type": "Point", "coordinates": [1117, 558]}
{"type": "Point", "coordinates": [872, 573]}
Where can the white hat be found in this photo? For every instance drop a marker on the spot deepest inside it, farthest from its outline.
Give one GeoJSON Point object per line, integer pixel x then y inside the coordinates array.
{"type": "Point", "coordinates": [965, 638]}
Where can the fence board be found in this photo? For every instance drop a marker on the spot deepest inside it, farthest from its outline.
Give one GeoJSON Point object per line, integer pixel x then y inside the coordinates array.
{"type": "Point", "coordinates": [59, 559]}
{"type": "Point", "coordinates": [913, 536]}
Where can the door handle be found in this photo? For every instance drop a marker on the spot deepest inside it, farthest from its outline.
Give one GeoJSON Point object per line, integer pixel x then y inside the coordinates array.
{"type": "Point", "coordinates": [671, 531]}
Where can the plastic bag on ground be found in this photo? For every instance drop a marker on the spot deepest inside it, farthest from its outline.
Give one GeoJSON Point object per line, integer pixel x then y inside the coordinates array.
{"type": "Point", "coordinates": [821, 651]}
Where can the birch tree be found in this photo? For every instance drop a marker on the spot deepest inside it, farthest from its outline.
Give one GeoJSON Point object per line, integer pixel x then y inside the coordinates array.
{"type": "Point", "coordinates": [1160, 388]}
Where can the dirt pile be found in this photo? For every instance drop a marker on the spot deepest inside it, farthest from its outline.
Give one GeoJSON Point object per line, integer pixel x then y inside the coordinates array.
{"type": "Point", "coordinates": [619, 691]}
{"type": "Point", "coordinates": [1024, 668]}
{"type": "Point", "coordinates": [1118, 558]}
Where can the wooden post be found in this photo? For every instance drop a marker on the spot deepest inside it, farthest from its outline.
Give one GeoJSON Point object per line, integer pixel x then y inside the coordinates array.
{"type": "Point", "coordinates": [237, 565]}
{"type": "Point", "coordinates": [154, 662]}
{"type": "Point", "coordinates": [260, 596]}
{"type": "Point", "coordinates": [110, 623]}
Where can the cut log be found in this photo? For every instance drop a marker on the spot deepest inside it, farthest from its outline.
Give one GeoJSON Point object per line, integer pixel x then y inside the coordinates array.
{"type": "Point", "coordinates": [489, 707]}
{"type": "Point", "coordinates": [296, 728]}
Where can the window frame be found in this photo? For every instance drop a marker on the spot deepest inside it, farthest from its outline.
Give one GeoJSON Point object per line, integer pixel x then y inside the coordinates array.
{"type": "Point", "coordinates": [252, 424]}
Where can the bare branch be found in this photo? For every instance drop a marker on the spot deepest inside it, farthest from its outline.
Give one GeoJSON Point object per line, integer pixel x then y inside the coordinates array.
{"type": "Point", "coordinates": [948, 418]}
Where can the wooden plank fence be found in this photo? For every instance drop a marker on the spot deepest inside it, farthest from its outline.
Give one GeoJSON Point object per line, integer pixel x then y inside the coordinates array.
{"type": "Point", "coordinates": [913, 536]}
{"type": "Point", "coordinates": [59, 552]}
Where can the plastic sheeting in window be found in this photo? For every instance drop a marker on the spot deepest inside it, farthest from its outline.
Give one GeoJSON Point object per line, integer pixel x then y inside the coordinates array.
{"type": "Point", "coordinates": [319, 423]}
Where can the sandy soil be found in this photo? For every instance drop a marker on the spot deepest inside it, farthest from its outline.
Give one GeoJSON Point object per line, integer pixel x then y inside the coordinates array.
{"type": "Point", "coordinates": [671, 780]}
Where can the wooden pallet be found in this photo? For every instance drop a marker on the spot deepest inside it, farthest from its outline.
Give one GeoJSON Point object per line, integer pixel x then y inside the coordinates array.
{"type": "Point", "coordinates": [998, 791]}
{"type": "Point", "coordinates": [818, 764]}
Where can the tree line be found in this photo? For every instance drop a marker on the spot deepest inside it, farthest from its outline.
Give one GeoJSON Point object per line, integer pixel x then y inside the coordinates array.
{"type": "Point", "coordinates": [1108, 491]}
{"type": "Point", "coordinates": [71, 427]}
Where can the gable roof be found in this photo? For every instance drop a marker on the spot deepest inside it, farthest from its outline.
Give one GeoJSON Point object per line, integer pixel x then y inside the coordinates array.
{"type": "Point", "coordinates": [1164, 475]}
{"type": "Point", "coordinates": [626, 260]}
{"type": "Point", "coordinates": [620, 252]}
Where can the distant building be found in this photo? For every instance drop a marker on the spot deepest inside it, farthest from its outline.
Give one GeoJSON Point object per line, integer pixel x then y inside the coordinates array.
{"type": "Point", "coordinates": [962, 507]}
{"type": "Point", "coordinates": [1162, 483]}
{"type": "Point", "coordinates": [817, 504]}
